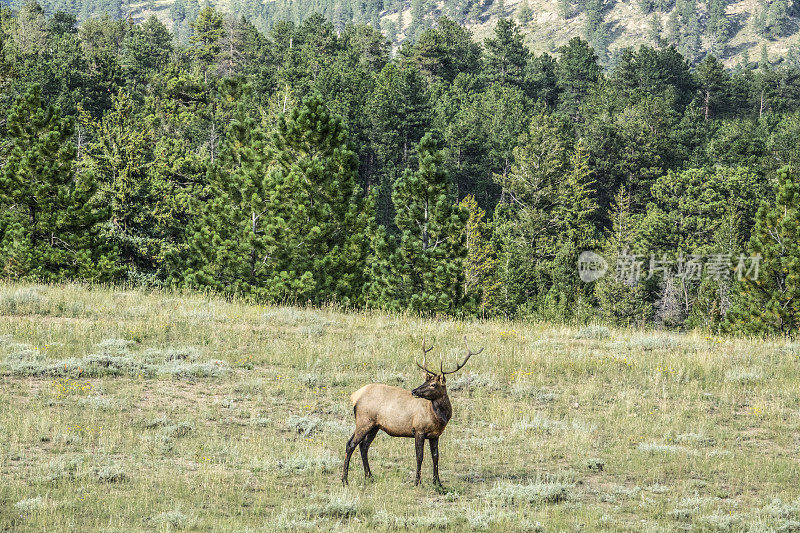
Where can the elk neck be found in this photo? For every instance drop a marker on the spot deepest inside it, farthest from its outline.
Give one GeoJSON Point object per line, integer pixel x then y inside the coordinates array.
{"type": "Point", "coordinates": [442, 409]}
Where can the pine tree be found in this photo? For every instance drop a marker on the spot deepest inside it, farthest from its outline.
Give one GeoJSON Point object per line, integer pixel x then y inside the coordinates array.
{"type": "Point", "coordinates": [29, 33]}
{"type": "Point", "coordinates": [119, 156]}
{"type": "Point", "coordinates": [769, 302]}
{"type": "Point", "coordinates": [714, 82]}
{"type": "Point", "coordinates": [674, 28]}
{"type": "Point", "coordinates": [777, 22]}
{"type": "Point", "coordinates": [595, 29]}
{"type": "Point", "coordinates": [424, 271]}
{"type": "Point", "coordinates": [713, 300]}
{"type": "Point", "coordinates": [718, 26]}
{"type": "Point", "coordinates": [230, 243]}
{"type": "Point", "coordinates": [577, 72]}
{"type": "Point", "coordinates": [655, 29]}
{"type": "Point", "coordinates": [525, 13]}
{"type": "Point", "coordinates": [420, 18]}
{"type": "Point", "coordinates": [577, 202]}
{"type": "Point", "coordinates": [545, 222]}
{"type": "Point", "coordinates": [621, 300]}
{"type": "Point", "coordinates": [177, 11]}
{"type": "Point", "coordinates": [50, 224]}
{"type": "Point", "coordinates": [207, 36]}
{"type": "Point", "coordinates": [285, 219]}
{"type": "Point", "coordinates": [481, 285]}
{"type": "Point", "coordinates": [147, 48]}
{"type": "Point", "coordinates": [565, 9]}
{"type": "Point", "coordinates": [444, 52]}
{"type": "Point", "coordinates": [398, 111]}
{"type": "Point", "coordinates": [506, 55]}
{"type": "Point", "coordinates": [390, 30]}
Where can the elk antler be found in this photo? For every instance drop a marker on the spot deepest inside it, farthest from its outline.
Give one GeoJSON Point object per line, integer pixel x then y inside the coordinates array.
{"type": "Point", "coordinates": [424, 357]}
{"type": "Point", "coordinates": [470, 353]}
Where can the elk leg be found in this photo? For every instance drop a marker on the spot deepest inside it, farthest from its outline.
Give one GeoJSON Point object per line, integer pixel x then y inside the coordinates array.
{"type": "Point", "coordinates": [354, 441]}
{"type": "Point", "coordinates": [419, 442]}
{"type": "Point", "coordinates": [435, 458]}
{"type": "Point", "coordinates": [364, 446]}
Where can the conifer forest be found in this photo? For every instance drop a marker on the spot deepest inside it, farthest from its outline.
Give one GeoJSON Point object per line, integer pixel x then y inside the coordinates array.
{"type": "Point", "coordinates": [312, 161]}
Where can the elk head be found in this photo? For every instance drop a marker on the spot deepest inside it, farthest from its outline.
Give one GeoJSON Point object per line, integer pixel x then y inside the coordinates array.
{"type": "Point", "coordinates": [435, 386]}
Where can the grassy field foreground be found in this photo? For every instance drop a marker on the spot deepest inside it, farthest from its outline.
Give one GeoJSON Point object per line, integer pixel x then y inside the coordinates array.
{"type": "Point", "coordinates": [126, 410]}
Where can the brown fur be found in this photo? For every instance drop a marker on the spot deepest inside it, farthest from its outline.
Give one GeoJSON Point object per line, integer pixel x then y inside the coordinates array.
{"type": "Point", "coordinates": [397, 412]}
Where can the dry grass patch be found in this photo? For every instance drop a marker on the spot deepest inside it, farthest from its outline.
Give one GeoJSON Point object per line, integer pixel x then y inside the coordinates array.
{"type": "Point", "coordinates": [130, 410]}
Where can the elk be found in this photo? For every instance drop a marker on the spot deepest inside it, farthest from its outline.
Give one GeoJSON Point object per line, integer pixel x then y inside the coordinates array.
{"type": "Point", "coordinates": [421, 413]}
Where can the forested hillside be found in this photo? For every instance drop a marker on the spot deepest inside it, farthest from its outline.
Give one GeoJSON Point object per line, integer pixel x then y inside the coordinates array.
{"type": "Point", "coordinates": [455, 177]}
{"type": "Point", "coordinates": [735, 31]}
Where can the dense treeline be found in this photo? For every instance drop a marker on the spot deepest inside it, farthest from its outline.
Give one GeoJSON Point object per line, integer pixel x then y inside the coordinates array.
{"type": "Point", "coordinates": [309, 165]}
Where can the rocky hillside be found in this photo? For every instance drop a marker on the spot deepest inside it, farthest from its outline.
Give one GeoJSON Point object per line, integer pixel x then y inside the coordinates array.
{"type": "Point", "coordinates": [737, 31]}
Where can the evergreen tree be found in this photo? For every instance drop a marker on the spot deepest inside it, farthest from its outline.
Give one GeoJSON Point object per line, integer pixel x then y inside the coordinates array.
{"type": "Point", "coordinates": [207, 33]}
{"type": "Point", "coordinates": [718, 26]}
{"type": "Point", "coordinates": [147, 49]}
{"type": "Point", "coordinates": [424, 271]}
{"type": "Point", "coordinates": [713, 302]}
{"type": "Point", "coordinates": [420, 18]}
{"type": "Point", "coordinates": [50, 225]}
{"type": "Point", "coordinates": [446, 51]}
{"type": "Point", "coordinates": [506, 55]}
{"type": "Point", "coordinates": [655, 29]}
{"type": "Point", "coordinates": [398, 110]}
{"type": "Point", "coordinates": [714, 81]}
{"type": "Point", "coordinates": [119, 156]}
{"type": "Point", "coordinates": [595, 29]}
{"type": "Point", "coordinates": [390, 30]}
{"type": "Point", "coordinates": [545, 222]}
{"type": "Point", "coordinates": [621, 296]}
{"type": "Point", "coordinates": [29, 33]}
{"type": "Point", "coordinates": [674, 28]}
{"type": "Point", "coordinates": [524, 13]}
{"type": "Point", "coordinates": [285, 221]}
{"type": "Point", "coordinates": [769, 302]}
{"type": "Point", "coordinates": [481, 286]}
{"type": "Point", "coordinates": [541, 80]}
{"type": "Point", "coordinates": [774, 19]}
{"type": "Point", "coordinates": [577, 72]}
{"type": "Point", "coordinates": [577, 203]}
{"type": "Point", "coordinates": [565, 9]}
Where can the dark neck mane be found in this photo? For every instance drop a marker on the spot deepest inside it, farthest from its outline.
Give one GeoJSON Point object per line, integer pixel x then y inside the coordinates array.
{"type": "Point", "coordinates": [442, 408]}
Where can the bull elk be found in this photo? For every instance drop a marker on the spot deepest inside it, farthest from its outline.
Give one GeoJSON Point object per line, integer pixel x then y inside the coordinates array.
{"type": "Point", "coordinates": [422, 414]}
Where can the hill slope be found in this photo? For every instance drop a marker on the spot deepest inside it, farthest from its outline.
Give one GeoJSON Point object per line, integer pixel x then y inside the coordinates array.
{"type": "Point", "coordinates": [735, 30]}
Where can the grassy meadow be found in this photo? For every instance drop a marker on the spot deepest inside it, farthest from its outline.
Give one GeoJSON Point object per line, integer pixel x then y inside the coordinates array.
{"type": "Point", "coordinates": [128, 410]}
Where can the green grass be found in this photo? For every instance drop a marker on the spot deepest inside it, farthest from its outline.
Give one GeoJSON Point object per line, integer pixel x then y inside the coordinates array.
{"type": "Point", "coordinates": [127, 410]}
